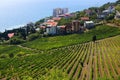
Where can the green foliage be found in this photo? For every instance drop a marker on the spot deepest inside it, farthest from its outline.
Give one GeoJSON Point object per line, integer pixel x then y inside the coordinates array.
{"type": "Point", "coordinates": [11, 55]}
{"type": "Point", "coordinates": [105, 78]}
{"type": "Point", "coordinates": [33, 36]}
{"type": "Point", "coordinates": [110, 17]}
{"type": "Point", "coordinates": [3, 56]}
{"type": "Point", "coordinates": [118, 7]}
{"type": "Point", "coordinates": [20, 54]}
{"type": "Point", "coordinates": [64, 21]}
{"type": "Point", "coordinates": [114, 21]}
{"type": "Point", "coordinates": [79, 14]}
{"type": "Point", "coordinates": [27, 78]}
{"type": "Point", "coordinates": [13, 51]}
{"type": "Point", "coordinates": [118, 2]}
{"type": "Point", "coordinates": [55, 74]}
{"type": "Point", "coordinates": [16, 40]}
{"type": "Point", "coordinates": [39, 22]}
{"type": "Point", "coordinates": [118, 77]}
{"type": "Point", "coordinates": [38, 66]}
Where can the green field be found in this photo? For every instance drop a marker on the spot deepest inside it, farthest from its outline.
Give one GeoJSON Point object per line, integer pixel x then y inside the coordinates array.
{"type": "Point", "coordinates": [7, 51]}
{"type": "Point", "coordinates": [102, 31]}
{"type": "Point", "coordinates": [90, 61]}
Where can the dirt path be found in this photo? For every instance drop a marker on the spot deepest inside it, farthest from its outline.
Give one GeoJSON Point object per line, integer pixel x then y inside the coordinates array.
{"type": "Point", "coordinates": [26, 47]}
{"type": "Point", "coordinates": [113, 25]}
{"type": "Point", "coordinates": [36, 50]}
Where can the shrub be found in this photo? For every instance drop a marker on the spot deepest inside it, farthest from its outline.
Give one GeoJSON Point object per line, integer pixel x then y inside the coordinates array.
{"type": "Point", "coordinates": [16, 40]}
{"type": "Point", "coordinates": [55, 74]}
{"type": "Point", "coordinates": [20, 54]}
{"type": "Point", "coordinates": [33, 36]}
{"type": "Point", "coordinates": [11, 55]}
{"type": "Point", "coordinates": [3, 56]}
{"type": "Point", "coordinates": [27, 78]}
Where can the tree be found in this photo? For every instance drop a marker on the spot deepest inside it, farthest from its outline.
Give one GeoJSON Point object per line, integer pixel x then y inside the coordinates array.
{"type": "Point", "coordinates": [33, 36]}
{"type": "Point", "coordinates": [39, 22]}
{"type": "Point", "coordinates": [64, 21]}
{"type": "Point", "coordinates": [110, 17]}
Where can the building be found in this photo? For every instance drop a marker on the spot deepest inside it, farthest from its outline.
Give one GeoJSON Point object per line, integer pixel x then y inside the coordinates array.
{"type": "Point", "coordinates": [101, 16]}
{"type": "Point", "coordinates": [75, 26]}
{"type": "Point", "coordinates": [56, 18]}
{"type": "Point", "coordinates": [68, 28]}
{"type": "Point", "coordinates": [61, 29]}
{"type": "Point", "coordinates": [51, 27]}
{"type": "Point", "coordinates": [110, 10]}
{"type": "Point", "coordinates": [59, 11]}
{"type": "Point", "coordinates": [65, 10]}
{"type": "Point", "coordinates": [10, 35]}
{"type": "Point", "coordinates": [85, 18]}
{"type": "Point", "coordinates": [88, 24]}
{"type": "Point", "coordinates": [56, 12]}
{"type": "Point", "coordinates": [43, 28]}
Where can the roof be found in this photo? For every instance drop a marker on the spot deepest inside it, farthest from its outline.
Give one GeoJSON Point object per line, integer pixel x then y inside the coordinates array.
{"type": "Point", "coordinates": [10, 35]}
{"type": "Point", "coordinates": [51, 23]}
{"type": "Point", "coordinates": [63, 26]}
{"type": "Point", "coordinates": [56, 18]}
{"type": "Point", "coordinates": [50, 20]}
{"type": "Point", "coordinates": [67, 14]}
{"type": "Point", "coordinates": [88, 22]}
{"type": "Point", "coordinates": [43, 27]}
{"type": "Point", "coordinates": [106, 11]}
{"type": "Point", "coordinates": [75, 21]}
{"type": "Point", "coordinates": [85, 18]}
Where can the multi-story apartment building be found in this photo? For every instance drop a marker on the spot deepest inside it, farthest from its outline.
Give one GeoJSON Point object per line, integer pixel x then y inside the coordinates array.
{"type": "Point", "coordinates": [59, 11]}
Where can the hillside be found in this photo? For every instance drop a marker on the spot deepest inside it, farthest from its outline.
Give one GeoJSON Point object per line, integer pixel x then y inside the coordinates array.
{"type": "Point", "coordinates": [88, 61]}
{"type": "Point", "coordinates": [35, 55]}
{"type": "Point", "coordinates": [101, 31]}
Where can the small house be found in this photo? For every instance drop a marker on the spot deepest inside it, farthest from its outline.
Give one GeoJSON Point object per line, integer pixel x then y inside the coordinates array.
{"type": "Point", "coordinates": [88, 24]}
{"type": "Point", "coordinates": [85, 18]}
{"type": "Point", "coordinates": [61, 29]}
{"type": "Point", "coordinates": [10, 35]}
{"type": "Point", "coordinates": [75, 26]}
{"type": "Point", "coordinates": [51, 27]}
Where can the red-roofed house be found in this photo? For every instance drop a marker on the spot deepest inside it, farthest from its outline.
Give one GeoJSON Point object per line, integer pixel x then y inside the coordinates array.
{"type": "Point", "coordinates": [51, 27]}
{"type": "Point", "coordinates": [10, 35]}
{"type": "Point", "coordinates": [56, 18]}
{"type": "Point", "coordinates": [85, 18]}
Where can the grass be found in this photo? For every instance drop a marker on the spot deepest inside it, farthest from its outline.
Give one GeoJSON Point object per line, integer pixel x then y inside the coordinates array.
{"type": "Point", "coordinates": [102, 31]}
{"type": "Point", "coordinates": [33, 67]}
{"type": "Point", "coordinates": [15, 51]}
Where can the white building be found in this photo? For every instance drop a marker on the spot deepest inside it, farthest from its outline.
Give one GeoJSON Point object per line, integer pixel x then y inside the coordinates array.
{"type": "Point", "coordinates": [89, 24]}
{"type": "Point", "coordinates": [51, 30]}
{"type": "Point", "coordinates": [110, 10]}
{"type": "Point", "coordinates": [51, 27]}
{"type": "Point", "coordinates": [59, 11]}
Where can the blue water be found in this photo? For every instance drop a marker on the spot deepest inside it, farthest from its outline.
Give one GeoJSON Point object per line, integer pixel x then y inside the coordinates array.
{"type": "Point", "coordinates": [20, 12]}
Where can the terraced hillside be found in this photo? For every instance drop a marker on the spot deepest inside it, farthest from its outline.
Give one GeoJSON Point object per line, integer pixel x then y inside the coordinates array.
{"type": "Point", "coordinates": [88, 61]}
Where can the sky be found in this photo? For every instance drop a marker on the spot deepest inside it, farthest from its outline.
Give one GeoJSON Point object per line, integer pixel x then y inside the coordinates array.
{"type": "Point", "coordinates": [21, 12]}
